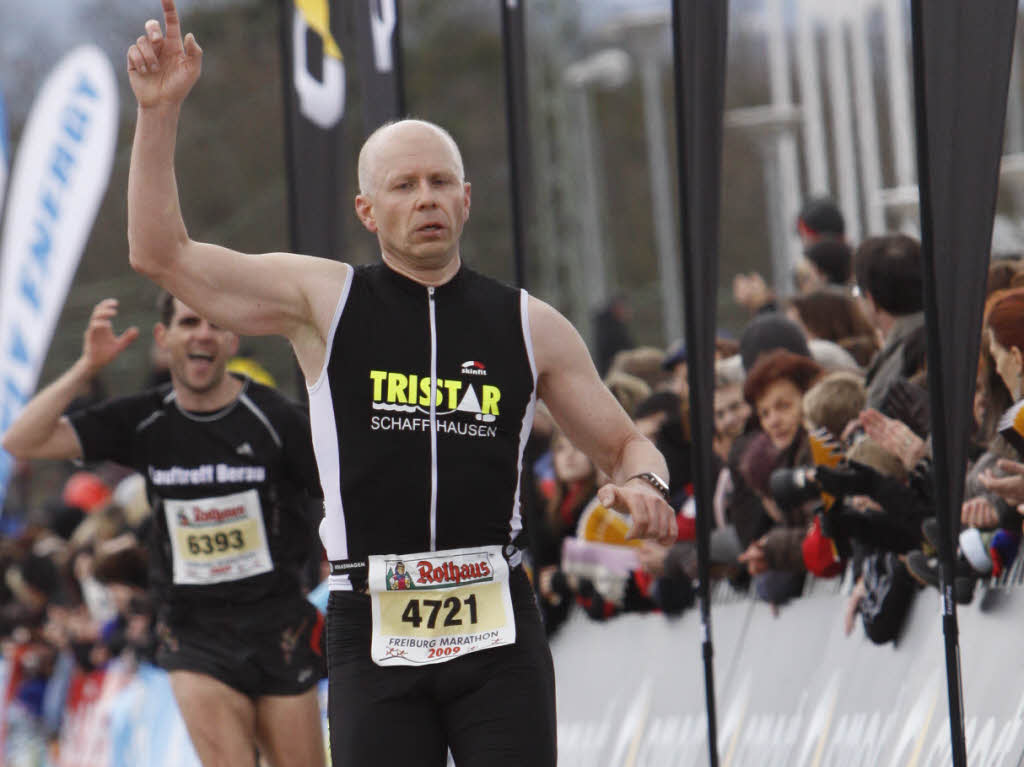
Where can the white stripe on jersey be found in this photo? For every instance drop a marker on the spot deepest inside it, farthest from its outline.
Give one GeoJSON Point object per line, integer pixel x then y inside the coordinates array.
{"type": "Point", "coordinates": [148, 420]}
{"type": "Point", "coordinates": [516, 522]}
{"type": "Point", "coordinates": [328, 454]}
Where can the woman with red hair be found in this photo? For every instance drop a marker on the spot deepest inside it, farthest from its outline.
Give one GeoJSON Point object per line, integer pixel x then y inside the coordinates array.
{"type": "Point", "coordinates": [775, 388]}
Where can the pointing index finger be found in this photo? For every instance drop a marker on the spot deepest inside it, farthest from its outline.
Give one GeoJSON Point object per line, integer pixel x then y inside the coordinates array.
{"type": "Point", "coordinates": [171, 21]}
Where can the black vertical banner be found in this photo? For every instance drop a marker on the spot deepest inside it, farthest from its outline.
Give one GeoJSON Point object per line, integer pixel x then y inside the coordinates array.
{"type": "Point", "coordinates": [375, 24]}
{"type": "Point", "coordinates": [513, 35]}
{"type": "Point", "coordinates": [699, 39]}
{"type": "Point", "coordinates": [962, 55]}
{"type": "Point", "coordinates": [314, 99]}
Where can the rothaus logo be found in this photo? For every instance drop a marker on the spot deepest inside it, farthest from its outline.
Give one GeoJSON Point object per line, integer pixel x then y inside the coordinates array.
{"type": "Point", "coordinates": [473, 368]}
{"type": "Point", "coordinates": [436, 572]}
{"type": "Point", "coordinates": [199, 517]}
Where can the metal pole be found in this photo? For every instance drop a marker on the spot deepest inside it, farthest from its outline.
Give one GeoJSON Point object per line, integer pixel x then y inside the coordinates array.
{"type": "Point", "coordinates": [593, 259]}
{"type": "Point", "coordinates": [867, 119]}
{"type": "Point", "coordinates": [661, 198]}
{"type": "Point", "coordinates": [842, 124]}
{"type": "Point", "coordinates": [513, 47]}
{"type": "Point", "coordinates": [787, 191]}
{"type": "Point", "coordinates": [815, 156]}
{"type": "Point", "coordinates": [901, 118]}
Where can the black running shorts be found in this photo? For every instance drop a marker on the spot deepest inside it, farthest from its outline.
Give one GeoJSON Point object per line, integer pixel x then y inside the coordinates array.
{"type": "Point", "coordinates": [493, 708]}
{"type": "Point", "coordinates": [271, 648]}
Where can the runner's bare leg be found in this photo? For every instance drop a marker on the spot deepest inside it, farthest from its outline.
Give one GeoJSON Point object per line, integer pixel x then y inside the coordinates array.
{"type": "Point", "coordinates": [288, 730]}
{"type": "Point", "coordinates": [220, 720]}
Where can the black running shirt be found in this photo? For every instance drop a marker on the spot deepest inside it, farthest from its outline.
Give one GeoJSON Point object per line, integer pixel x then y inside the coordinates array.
{"type": "Point", "coordinates": [229, 489]}
{"type": "Point", "coordinates": [403, 475]}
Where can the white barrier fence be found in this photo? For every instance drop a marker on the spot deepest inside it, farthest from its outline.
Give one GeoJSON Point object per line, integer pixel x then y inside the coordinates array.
{"type": "Point", "coordinates": [792, 689]}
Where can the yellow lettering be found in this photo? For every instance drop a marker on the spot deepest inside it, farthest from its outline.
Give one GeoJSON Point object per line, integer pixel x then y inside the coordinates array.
{"type": "Point", "coordinates": [317, 15]}
{"type": "Point", "coordinates": [489, 404]}
{"type": "Point", "coordinates": [453, 388]}
{"type": "Point", "coordinates": [397, 384]}
{"type": "Point", "coordinates": [412, 388]}
{"type": "Point", "coordinates": [425, 392]}
{"type": "Point", "coordinates": [378, 376]}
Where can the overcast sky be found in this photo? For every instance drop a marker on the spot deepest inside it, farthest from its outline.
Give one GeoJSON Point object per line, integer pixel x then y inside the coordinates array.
{"type": "Point", "coordinates": [34, 34]}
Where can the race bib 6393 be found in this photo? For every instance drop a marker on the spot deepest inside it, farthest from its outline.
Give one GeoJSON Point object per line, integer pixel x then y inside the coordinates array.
{"type": "Point", "coordinates": [218, 539]}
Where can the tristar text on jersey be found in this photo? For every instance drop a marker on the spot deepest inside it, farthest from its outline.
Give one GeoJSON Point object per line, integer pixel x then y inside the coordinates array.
{"type": "Point", "coordinates": [409, 392]}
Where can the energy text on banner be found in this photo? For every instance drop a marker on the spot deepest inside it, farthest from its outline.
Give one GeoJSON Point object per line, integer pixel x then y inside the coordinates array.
{"type": "Point", "coordinates": [57, 182]}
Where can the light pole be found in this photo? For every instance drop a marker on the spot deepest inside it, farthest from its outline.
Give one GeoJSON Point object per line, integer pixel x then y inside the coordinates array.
{"type": "Point", "coordinates": [608, 68]}
{"type": "Point", "coordinates": [647, 35]}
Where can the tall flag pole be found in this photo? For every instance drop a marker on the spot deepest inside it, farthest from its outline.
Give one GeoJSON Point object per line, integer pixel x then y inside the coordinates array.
{"type": "Point", "coordinates": [58, 180]}
{"type": "Point", "coordinates": [699, 36]}
{"type": "Point", "coordinates": [314, 99]}
{"type": "Point", "coordinates": [962, 55]}
{"type": "Point", "coordinates": [513, 36]}
{"type": "Point", "coordinates": [376, 24]}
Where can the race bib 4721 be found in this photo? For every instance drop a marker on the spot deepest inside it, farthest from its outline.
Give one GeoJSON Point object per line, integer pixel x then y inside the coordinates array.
{"type": "Point", "coordinates": [218, 539]}
{"type": "Point", "coordinates": [439, 605]}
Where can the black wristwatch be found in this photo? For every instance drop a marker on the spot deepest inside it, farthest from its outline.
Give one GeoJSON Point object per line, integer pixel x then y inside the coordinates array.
{"type": "Point", "coordinates": [654, 481]}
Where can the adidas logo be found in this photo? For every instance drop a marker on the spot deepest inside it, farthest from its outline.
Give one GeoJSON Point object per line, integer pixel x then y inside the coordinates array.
{"type": "Point", "coordinates": [245, 449]}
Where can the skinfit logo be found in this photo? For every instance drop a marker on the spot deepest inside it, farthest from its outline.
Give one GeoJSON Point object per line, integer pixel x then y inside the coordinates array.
{"type": "Point", "coordinates": [473, 368]}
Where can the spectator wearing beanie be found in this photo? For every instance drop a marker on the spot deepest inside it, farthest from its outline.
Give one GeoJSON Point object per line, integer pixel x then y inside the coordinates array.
{"type": "Point", "coordinates": [768, 332]}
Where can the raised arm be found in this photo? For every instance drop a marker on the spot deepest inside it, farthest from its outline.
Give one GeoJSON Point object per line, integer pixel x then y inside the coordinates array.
{"type": "Point", "coordinates": [593, 420]}
{"type": "Point", "coordinates": [273, 293]}
{"type": "Point", "coordinates": [41, 430]}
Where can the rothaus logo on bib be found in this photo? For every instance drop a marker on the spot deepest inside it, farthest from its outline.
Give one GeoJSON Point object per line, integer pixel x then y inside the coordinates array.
{"type": "Point", "coordinates": [464, 405]}
{"type": "Point", "coordinates": [438, 572]}
{"type": "Point", "coordinates": [431, 607]}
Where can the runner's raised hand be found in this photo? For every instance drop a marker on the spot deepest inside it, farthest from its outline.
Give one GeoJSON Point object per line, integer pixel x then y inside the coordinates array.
{"type": "Point", "coordinates": [163, 67]}
{"type": "Point", "coordinates": [101, 345]}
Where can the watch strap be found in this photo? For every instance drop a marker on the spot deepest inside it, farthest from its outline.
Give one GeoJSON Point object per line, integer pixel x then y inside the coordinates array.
{"type": "Point", "coordinates": [654, 481]}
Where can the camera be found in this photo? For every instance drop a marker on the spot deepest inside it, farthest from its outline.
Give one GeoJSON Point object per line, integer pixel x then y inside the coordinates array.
{"type": "Point", "coordinates": [792, 487]}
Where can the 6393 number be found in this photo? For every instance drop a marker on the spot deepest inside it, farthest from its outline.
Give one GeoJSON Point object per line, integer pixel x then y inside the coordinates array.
{"type": "Point", "coordinates": [219, 542]}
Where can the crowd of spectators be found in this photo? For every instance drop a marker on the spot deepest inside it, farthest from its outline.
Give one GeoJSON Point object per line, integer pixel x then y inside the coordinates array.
{"type": "Point", "coordinates": [822, 455]}
{"type": "Point", "coordinates": [821, 467]}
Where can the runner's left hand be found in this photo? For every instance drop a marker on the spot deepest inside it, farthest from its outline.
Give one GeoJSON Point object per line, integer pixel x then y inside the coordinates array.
{"type": "Point", "coordinates": [652, 516]}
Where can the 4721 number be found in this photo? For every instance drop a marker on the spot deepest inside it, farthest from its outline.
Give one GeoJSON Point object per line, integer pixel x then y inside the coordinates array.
{"type": "Point", "coordinates": [414, 615]}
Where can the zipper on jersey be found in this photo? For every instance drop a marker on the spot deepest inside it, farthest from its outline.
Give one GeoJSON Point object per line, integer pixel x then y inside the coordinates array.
{"type": "Point", "coordinates": [433, 420]}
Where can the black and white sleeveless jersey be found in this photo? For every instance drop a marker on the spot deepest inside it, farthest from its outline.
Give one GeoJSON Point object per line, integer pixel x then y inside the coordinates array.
{"type": "Point", "coordinates": [230, 489]}
{"type": "Point", "coordinates": [421, 414]}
